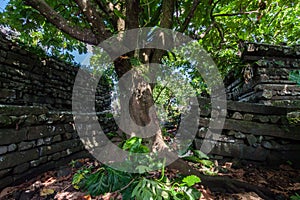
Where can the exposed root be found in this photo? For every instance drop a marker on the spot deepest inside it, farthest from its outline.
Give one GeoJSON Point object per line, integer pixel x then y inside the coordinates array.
{"type": "Point", "coordinates": [221, 184]}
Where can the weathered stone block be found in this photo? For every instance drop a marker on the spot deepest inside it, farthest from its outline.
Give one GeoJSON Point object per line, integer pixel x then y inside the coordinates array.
{"type": "Point", "coordinates": [255, 128]}
{"type": "Point", "coordinates": [16, 158]}
{"type": "Point", "coordinates": [22, 110]}
{"type": "Point", "coordinates": [69, 128]}
{"type": "Point", "coordinates": [35, 163]}
{"type": "Point", "coordinates": [12, 147]}
{"type": "Point", "coordinates": [239, 135]}
{"type": "Point", "coordinates": [263, 119]}
{"type": "Point", "coordinates": [26, 145]}
{"type": "Point", "coordinates": [68, 136]}
{"type": "Point", "coordinates": [8, 136]}
{"type": "Point", "coordinates": [56, 138]}
{"type": "Point", "coordinates": [237, 115]}
{"type": "Point", "coordinates": [48, 140]}
{"type": "Point", "coordinates": [31, 120]}
{"type": "Point", "coordinates": [251, 139]}
{"type": "Point", "coordinates": [36, 132]}
{"type": "Point", "coordinates": [40, 142]}
{"type": "Point", "coordinates": [21, 168]}
{"type": "Point", "coordinates": [248, 117]}
{"type": "Point", "coordinates": [43, 159]}
{"type": "Point", "coordinates": [274, 119]}
{"type": "Point", "coordinates": [57, 147]}
{"type": "Point", "coordinates": [56, 156]}
{"type": "Point", "coordinates": [3, 149]}
{"type": "Point", "coordinates": [235, 150]}
{"type": "Point", "coordinates": [4, 172]}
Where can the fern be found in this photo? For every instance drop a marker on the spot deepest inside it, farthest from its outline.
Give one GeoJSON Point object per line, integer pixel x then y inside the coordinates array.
{"type": "Point", "coordinates": [295, 76]}
{"type": "Point", "coordinates": [295, 197]}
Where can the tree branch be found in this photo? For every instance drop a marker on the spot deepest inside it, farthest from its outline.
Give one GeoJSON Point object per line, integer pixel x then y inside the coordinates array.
{"type": "Point", "coordinates": [93, 18]}
{"type": "Point", "coordinates": [83, 34]}
{"type": "Point", "coordinates": [106, 9]}
{"type": "Point", "coordinates": [190, 16]}
{"type": "Point", "coordinates": [235, 14]}
{"type": "Point", "coordinates": [132, 14]}
{"type": "Point", "coordinates": [168, 7]}
{"type": "Point", "coordinates": [166, 21]}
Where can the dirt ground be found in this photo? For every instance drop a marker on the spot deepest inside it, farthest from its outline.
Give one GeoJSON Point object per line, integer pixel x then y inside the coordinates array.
{"type": "Point", "coordinates": [56, 184]}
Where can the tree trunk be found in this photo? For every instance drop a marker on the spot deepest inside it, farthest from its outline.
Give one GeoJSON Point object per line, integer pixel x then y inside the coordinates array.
{"type": "Point", "coordinates": [138, 116]}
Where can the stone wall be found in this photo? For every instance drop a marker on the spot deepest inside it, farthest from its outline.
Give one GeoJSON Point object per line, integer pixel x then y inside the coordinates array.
{"type": "Point", "coordinates": [267, 71]}
{"type": "Point", "coordinates": [256, 132]}
{"type": "Point", "coordinates": [26, 79]}
{"type": "Point", "coordinates": [36, 125]}
{"type": "Point", "coordinates": [33, 139]}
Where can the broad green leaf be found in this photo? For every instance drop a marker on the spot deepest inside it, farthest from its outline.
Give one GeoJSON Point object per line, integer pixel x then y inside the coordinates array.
{"type": "Point", "coordinates": [191, 180]}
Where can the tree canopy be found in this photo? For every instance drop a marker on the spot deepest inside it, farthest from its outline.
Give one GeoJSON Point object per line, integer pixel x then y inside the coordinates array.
{"type": "Point", "coordinates": [59, 27]}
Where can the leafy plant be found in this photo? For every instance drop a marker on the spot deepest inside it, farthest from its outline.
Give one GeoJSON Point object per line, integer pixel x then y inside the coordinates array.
{"type": "Point", "coordinates": [133, 185]}
{"type": "Point", "coordinates": [208, 166]}
{"type": "Point", "coordinates": [156, 189]}
{"type": "Point", "coordinates": [134, 145]}
{"type": "Point", "coordinates": [105, 180]}
{"type": "Point", "coordinates": [79, 176]}
{"type": "Point", "coordinates": [191, 180]}
{"type": "Point", "coordinates": [295, 76]}
{"type": "Point", "coordinates": [295, 197]}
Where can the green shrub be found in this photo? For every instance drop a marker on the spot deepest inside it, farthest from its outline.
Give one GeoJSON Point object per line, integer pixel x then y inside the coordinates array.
{"type": "Point", "coordinates": [136, 186]}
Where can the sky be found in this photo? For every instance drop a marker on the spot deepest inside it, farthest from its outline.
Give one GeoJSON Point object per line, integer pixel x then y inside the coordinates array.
{"type": "Point", "coordinates": [82, 59]}
{"type": "Point", "coordinates": [3, 4]}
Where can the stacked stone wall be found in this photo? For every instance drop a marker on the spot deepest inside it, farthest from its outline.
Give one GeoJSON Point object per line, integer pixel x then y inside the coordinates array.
{"type": "Point", "coordinates": [256, 132]}
{"type": "Point", "coordinates": [267, 70]}
{"type": "Point", "coordinates": [37, 130]}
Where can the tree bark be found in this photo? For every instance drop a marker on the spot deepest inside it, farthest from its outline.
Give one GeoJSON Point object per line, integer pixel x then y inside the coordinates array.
{"type": "Point", "coordinates": [138, 116]}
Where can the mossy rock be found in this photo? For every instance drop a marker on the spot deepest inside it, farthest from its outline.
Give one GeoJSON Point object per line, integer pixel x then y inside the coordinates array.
{"type": "Point", "coordinates": [294, 117]}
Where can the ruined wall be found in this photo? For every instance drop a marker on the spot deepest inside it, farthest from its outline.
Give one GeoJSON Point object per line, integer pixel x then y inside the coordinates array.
{"type": "Point", "coordinates": [269, 82]}
{"type": "Point", "coordinates": [266, 128]}
{"type": "Point", "coordinates": [36, 125]}
{"type": "Point", "coordinates": [256, 132]}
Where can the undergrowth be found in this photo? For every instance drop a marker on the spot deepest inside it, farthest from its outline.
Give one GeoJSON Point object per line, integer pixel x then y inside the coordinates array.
{"type": "Point", "coordinates": [142, 186]}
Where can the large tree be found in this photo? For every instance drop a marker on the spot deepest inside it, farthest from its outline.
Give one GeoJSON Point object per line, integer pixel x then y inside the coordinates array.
{"type": "Point", "coordinates": [219, 25]}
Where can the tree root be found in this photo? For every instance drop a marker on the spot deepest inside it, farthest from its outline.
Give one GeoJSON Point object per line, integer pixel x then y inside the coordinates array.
{"type": "Point", "coordinates": [221, 184]}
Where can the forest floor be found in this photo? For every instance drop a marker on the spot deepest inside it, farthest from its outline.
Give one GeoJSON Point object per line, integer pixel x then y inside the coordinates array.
{"type": "Point", "coordinates": [57, 184]}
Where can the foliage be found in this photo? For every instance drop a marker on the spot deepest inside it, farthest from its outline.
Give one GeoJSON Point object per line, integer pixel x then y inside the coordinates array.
{"type": "Point", "coordinates": [196, 156]}
{"type": "Point", "coordinates": [217, 25]}
{"type": "Point", "coordinates": [295, 76]}
{"type": "Point", "coordinates": [295, 197]}
{"type": "Point", "coordinates": [135, 186]}
{"type": "Point", "coordinates": [39, 35]}
{"type": "Point", "coordinates": [79, 176]}
{"type": "Point", "coordinates": [135, 145]}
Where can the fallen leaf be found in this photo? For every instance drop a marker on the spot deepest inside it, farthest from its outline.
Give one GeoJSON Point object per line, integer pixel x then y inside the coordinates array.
{"type": "Point", "coordinates": [46, 192]}
{"type": "Point", "coordinates": [87, 197]}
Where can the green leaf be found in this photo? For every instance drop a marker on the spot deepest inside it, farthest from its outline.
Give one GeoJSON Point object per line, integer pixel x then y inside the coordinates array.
{"type": "Point", "coordinates": [200, 154]}
{"type": "Point", "coordinates": [207, 163]}
{"type": "Point", "coordinates": [119, 14]}
{"type": "Point", "coordinates": [191, 180]}
{"type": "Point", "coordinates": [192, 159]}
{"type": "Point", "coordinates": [295, 76]}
